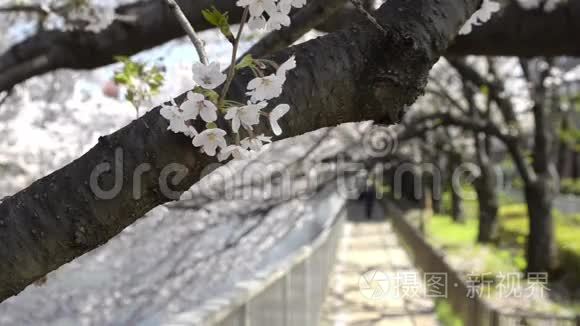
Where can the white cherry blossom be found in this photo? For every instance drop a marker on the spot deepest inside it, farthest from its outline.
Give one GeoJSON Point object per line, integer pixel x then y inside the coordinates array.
{"type": "Point", "coordinates": [277, 20]}
{"type": "Point", "coordinates": [529, 4]}
{"type": "Point", "coordinates": [190, 132]}
{"type": "Point", "coordinates": [269, 87]}
{"type": "Point", "coordinates": [208, 77]}
{"type": "Point", "coordinates": [246, 116]}
{"type": "Point", "coordinates": [265, 88]}
{"type": "Point", "coordinates": [255, 143]}
{"type": "Point", "coordinates": [286, 66]}
{"type": "Point", "coordinates": [209, 140]}
{"type": "Point", "coordinates": [89, 17]}
{"type": "Point", "coordinates": [488, 8]}
{"type": "Point", "coordinates": [257, 7]}
{"type": "Point", "coordinates": [551, 5]}
{"type": "Point", "coordinates": [286, 5]}
{"type": "Point", "coordinates": [237, 152]}
{"type": "Point", "coordinates": [275, 115]}
{"type": "Point", "coordinates": [197, 104]}
{"type": "Point", "coordinates": [212, 141]}
{"type": "Point", "coordinates": [176, 121]}
{"type": "Point", "coordinates": [257, 23]}
{"type": "Point", "coordinates": [546, 5]}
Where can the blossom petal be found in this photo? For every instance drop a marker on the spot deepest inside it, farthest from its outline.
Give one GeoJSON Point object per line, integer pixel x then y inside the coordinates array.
{"type": "Point", "coordinates": [210, 148]}
{"type": "Point", "coordinates": [208, 114]}
{"type": "Point", "coordinates": [236, 124]}
{"type": "Point", "coordinates": [287, 66]}
{"type": "Point", "coordinates": [275, 115]}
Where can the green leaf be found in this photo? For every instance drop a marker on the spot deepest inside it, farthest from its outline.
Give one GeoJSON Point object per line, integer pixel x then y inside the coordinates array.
{"type": "Point", "coordinates": [484, 90]}
{"type": "Point", "coordinates": [247, 61]}
{"type": "Point", "coordinates": [121, 79]}
{"type": "Point", "coordinates": [133, 75]}
{"type": "Point", "coordinates": [219, 20]}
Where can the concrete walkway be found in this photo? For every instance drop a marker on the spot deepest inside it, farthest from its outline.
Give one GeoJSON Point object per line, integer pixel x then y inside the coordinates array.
{"type": "Point", "coordinates": [374, 281]}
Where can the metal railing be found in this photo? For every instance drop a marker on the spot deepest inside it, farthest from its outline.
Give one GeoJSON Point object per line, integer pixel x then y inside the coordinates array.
{"type": "Point", "coordinates": [567, 204]}
{"type": "Point", "coordinates": [291, 292]}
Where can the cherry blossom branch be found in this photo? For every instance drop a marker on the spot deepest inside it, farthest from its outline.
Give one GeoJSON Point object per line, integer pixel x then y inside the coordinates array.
{"type": "Point", "coordinates": [360, 7]}
{"type": "Point", "coordinates": [25, 8]}
{"type": "Point", "coordinates": [314, 14]}
{"type": "Point", "coordinates": [184, 22]}
{"type": "Point", "coordinates": [43, 229]}
{"type": "Point", "coordinates": [232, 68]}
{"type": "Point", "coordinates": [6, 96]}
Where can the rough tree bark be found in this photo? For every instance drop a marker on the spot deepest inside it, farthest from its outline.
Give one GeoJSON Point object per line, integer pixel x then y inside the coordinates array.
{"type": "Point", "coordinates": [524, 33]}
{"type": "Point", "coordinates": [542, 254]}
{"type": "Point", "coordinates": [485, 187]}
{"type": "Point", "coordinates": [514, 31]}
{"type": "Point", "coordinates": [457, 211]}
{"type": "Point", "coordinates": [568, 155]}
{"type": "Point", "coordinates": [541, 176]}
{"type": "Point", "coordinates": [485, 184]}
{"type": "Point", "coordinates": [437, 204]}
{"type": "Point", "coordinates": [352, 75]}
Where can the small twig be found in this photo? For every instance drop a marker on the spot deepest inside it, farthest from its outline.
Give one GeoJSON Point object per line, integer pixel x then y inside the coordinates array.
{"type": "Point", "coordinates": [6, 96]}
{"type": "Point", "coordinates": [25, 8]}
{"type": "Point", "coordinates": [184, 22]}
{"type": "Point", "coordinates": [232, 69]}
{"type": "Point", "coordinates": [360, 7]}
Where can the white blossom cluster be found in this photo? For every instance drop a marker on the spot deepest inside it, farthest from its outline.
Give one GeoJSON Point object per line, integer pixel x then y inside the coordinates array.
{"type": "Point", "coordinates": [546, 5]}
{"type": "Point", "coordinates": [241, 116]}
{"type": "Point", "coordinates": [488, 8]}
{"type": "Point", "coordinates": [277, 10]}
{"type": "Point", "coordinates": [96, 17]}
{"type": "Point", "coordinates": [86, 16]}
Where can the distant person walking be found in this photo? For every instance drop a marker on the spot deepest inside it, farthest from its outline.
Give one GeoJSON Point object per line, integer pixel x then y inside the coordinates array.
{"type": "Point", "coordinates": [369, 196]}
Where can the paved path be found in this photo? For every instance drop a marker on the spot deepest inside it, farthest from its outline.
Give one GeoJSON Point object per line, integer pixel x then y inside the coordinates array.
{"type": "Point", "coordinates": [374, 282]}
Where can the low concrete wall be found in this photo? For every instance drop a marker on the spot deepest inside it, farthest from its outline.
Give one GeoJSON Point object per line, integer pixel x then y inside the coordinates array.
{"type": "Point", "coordinates": [289, 292]}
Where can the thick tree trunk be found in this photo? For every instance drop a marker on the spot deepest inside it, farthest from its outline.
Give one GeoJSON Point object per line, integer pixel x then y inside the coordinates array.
{"type": "Point", "coordinates": [488, 207]}
{"type": "Point", "coordinates": [485, 187]}
{"type": "Point", "coordinates": [353, 75]}
{"type": "Point", "coordinates": [565, 161]}
{"type": "Point", "coordinates": [437, 205]}
{"type": "Point", "coordinates": [542, 254]}
{"type": "Point", "coordinates": [576, 160]}
{"type": "Point", "coordinates": [457, 212]}
{"type": "Point", "coordinates": [505, 29]}
{"type": "Point", "coordinates": [155, 25]}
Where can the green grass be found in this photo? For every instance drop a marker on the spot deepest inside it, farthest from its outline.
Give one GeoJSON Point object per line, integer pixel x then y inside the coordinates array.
{"type": "Point", "coordinates": [458, 240]}
{"type": "Point", "coordinates": [445, 314]}
{"type": "Point", "coordinates": [570, 186]}
{"type": "Point", "coordinates": [469, 206]}
{"type": "Point", "coordinates": [515, 225]}
{"type": "Point", "coordinates": [514, 221]}
{"type": "Point", "coordinates": [447, 233]}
